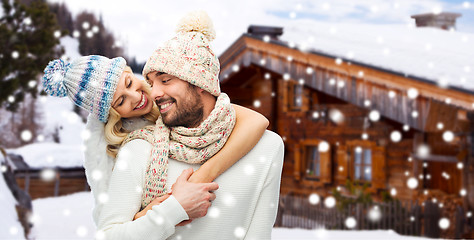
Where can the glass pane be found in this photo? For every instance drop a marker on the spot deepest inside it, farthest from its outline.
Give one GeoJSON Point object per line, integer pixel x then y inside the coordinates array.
{"type": "Point", "coordinates": [368, 156]}
{"type": "Point", "coordinates": [357, 156]}
{"type": "Point", "coordinates": [313, 161]}
{"type": "Point", "coordinates": [317, 170]}
{"type": "Point", "coordinates": [298, 92]}
{"type": "Point", "coordinates": [357, 172]}
{"type": "Point", "coordinates": [368, 173]}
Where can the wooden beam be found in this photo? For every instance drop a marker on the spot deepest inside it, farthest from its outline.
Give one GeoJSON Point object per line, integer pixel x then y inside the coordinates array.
{"type": "Point", "coordinates": [436, 158]}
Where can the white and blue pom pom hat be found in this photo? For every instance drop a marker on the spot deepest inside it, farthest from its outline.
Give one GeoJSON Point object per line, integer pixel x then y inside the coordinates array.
{"type": "Point", "coordinates": [89, 81]}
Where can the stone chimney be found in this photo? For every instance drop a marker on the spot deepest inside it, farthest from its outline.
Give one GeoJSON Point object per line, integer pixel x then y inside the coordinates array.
{"type": "Point", "coordinates": [261, 31]}
{"type": "Point", "coordinates": [444, 20]}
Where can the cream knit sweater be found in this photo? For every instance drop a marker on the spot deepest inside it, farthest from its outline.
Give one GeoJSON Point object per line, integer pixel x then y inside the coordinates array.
{"type": "Point", "coordinates": [245, 207]}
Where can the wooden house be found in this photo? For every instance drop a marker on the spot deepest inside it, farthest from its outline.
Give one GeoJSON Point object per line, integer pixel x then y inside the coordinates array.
{"type": "Point", "coordinates": [47, 182]}
{"type": "Point", "coordinates": [344, 118]}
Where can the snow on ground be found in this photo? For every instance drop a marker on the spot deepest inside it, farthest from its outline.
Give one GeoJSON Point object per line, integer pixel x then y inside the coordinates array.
{"type": "Point", "coordinates": [10, 227]}
{"type": "Point", "coordinates": [65, 217]}
{"type": "Point", "coordinates": [70, 217]}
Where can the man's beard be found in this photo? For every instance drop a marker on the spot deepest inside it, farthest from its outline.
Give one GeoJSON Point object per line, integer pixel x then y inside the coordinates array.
{"type": "Point", "coordinates": [189, 113]}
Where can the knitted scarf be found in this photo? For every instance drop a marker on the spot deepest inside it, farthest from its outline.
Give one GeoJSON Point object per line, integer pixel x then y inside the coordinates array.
{"type": "Point", "coordinates": [191, 145]}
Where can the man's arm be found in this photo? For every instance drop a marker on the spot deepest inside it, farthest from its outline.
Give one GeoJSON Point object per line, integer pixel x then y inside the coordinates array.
{"type": "Point", "coordinates": [249, 128]}
{"type": "Point", "coordinates": [124, 199]}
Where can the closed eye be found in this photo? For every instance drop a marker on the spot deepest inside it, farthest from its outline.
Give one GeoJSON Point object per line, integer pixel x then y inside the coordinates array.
{"type": "Point", "coordinates": [129, 83]}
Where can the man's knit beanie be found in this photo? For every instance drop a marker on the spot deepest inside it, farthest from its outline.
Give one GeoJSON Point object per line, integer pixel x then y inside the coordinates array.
{"type": "Point", "coordinates": [89, 81]}
{"type": "Point", "coordinates": [188, 55]}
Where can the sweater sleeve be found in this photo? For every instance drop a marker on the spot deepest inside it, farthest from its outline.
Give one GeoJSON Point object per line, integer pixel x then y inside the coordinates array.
{"type": "Point", "coordinates": [265, 213]}
{"type": "Point", "coordinates": [124, 199]}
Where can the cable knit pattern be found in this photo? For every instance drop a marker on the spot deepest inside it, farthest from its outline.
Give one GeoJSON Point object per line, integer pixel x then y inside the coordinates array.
{"type": "Point", "coordinates": [191, 145]}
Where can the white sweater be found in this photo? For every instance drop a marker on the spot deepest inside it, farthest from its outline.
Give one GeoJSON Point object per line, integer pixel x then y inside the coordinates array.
{"type": "Point", "coordinates": [245, 207]}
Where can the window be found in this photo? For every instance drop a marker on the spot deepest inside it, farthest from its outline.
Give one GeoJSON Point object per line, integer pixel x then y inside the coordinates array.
{"type": "Point", "coordinates": [297, 95]}
{"type": "Point", "coordinates": [313, 163]}
{"type": "Point", "coordinates": [362, 164]}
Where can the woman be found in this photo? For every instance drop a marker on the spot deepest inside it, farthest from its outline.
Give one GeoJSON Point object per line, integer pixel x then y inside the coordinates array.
{"type": "Point", "coordinates": [96, 83]}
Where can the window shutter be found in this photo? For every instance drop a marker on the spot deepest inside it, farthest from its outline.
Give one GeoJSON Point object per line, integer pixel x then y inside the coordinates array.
{"type": "Point", "coordinates": [325, 163]}
{"type": "Point", "coordinates": [342, 164]}
{"type": "Point", "coordinates": [379, 170]}
{"type": "Point", "coordinates": [297, 161]}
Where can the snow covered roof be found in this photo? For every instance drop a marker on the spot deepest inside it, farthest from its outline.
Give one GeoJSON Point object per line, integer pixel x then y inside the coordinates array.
{"type": "Point", "coordinates": [439, 56]}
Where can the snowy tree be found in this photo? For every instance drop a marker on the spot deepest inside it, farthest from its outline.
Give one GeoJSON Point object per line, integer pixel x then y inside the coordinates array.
{"type": "Point", "coordinates": [28, 36]}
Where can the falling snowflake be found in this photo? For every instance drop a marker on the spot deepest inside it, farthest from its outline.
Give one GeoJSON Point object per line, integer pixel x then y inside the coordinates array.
{"type": "Point", "coordinates": [437, 10]}
{"type": "Point", "coordinates": [393, 192]}
{"type": "Point", "coordinates": [338, 61]}
{"type": "Point", "coordinates": [336, 116]}
{"type": "Point", "coordinates": [289, 58]}
{"type": "Point", "coordinates": [460, 165]}
{"type": "Point", "coordinates": [4, 168]}
{"type": "Point", "coordinates": [298, 121]}
{"type": "Point", "coordinates": [99, 235]}
{"type": "Point", "coordinates": [213, 212]}
{"type": "Point", "coordinates": [360, 73]}
{"type": "Point", "coordinates": [374, 115]}
{"type": "Point", "coordinates": [365, 136]}
{"type": "Point", "coordinates": [228, 200]}
{"type": "Point", "coordinates": [159, 220]}
{"type": "Point", "coordinates": [286, 76]}
{"type": "Point", "coordinates": [406, 128]}
{"type": "Point", "coordinates": [332, 81]}
{"type": "Point", "coordinates": [341, 169]}
{"type": "Point", "coordinates": [103, 197]}
{"type": "Point", "coordinates": [375, 214]}
{"type": "Point", "coordinates": [440, 125]}
{"type": "Point", "coordinates": [448, 136]}
{"type": "Point", "coordinates": [350, 222]}
{"type": "Point", "coordinates": [262, 62]}
{"type": "Point", "coordinates": [266, 38]}
{"type": "Point", "coordinates": [76, 34]}
{"type": "Point", "coordinates": [89, 34]}
{"type": "Point", "coordinates": [414, 114]}
{"type": "Point", "coordinates": [26, 135]}
{"type": "Point", "coordinates": [57, 34]}
{"type": "Point", "coordinates": [412, 183]}
{"type": "Point", "coordinates": [95, 29]}
{"type": "Point", "coordinates": [47, 174]}
{"type": "Point", "coordinates": [249, 169]}
{"type": "Point", "coordinates": [66, 212]}
{"type": "Point", "coordinates": [309, 70]}
{"type": "Point", "coordinates": [13, 231]}
{"type": "Point", "coordinates": [443, 223]}
{"type": "Point", "coordinates": [85, 25]}
{"type": "Point", "coordinates": [423, 150]}
{"type": "Point", "coordinates": [323, 146]}
{"type": "Point", "coordinates": [257, 103]}
{"type": "Point", "coordinates": [463, 192]}
{"type": "Point", "coordinates": [96, 175]}
{"type": "Point", "coordinates": [412, 93]}
{"type": "Point", "coordinates": [391, 94]}
{"type": "Point", "coordinates": [395, 136]}
{"type": "Point", "coordinates": [239, 232]}
{"type": "Point", "coordinates": [330, 202]}
{"type": "Point", "coordinates": [466, 4]}
{"type": "Point", "coordinates": [315, 115]}
{"type": "Point", "coordinates": [314, 198]}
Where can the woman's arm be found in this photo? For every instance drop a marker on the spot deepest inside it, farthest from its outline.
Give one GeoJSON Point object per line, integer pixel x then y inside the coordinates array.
{"type": "Point", "coordinates": [249, 128]}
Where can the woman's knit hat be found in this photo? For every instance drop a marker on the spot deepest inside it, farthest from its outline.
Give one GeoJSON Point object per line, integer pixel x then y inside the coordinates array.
{"type": "Point", "coordinates": [89, 81]}
{"type": "Point", "coordinates": [188, 55]}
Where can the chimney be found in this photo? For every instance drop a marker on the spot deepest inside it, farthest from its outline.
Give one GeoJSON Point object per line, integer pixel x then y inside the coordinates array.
{"type": "Point", "coordinates": [444, 20]}
{"type": "Point", "coordinates": [261, 31]}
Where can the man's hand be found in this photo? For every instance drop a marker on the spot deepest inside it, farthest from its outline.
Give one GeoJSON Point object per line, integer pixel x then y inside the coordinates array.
{"type": "Point", "coordinates": [195, 198]}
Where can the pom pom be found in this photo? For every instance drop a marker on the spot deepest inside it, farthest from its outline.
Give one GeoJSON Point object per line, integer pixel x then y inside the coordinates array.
{"type": "Point", "coordinates": [197, 21]}
{"type": "Point", "coordinates": [53, 79]}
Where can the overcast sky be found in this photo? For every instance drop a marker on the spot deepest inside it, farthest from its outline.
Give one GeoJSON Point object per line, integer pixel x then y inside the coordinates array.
{"type": "Point", "coordinates": [141, 25]}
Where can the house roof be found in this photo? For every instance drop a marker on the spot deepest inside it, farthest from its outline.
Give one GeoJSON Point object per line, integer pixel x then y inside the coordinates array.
{"type": "Point", "coordinates": [442, 57]}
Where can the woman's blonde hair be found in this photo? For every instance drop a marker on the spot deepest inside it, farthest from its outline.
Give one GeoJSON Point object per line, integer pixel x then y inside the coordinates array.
{"type": "Point", "coordinates": [114, 131]}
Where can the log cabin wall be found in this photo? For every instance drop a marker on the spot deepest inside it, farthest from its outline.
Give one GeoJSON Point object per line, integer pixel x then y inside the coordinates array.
{"type": "Point", "coordinates": [66, 181]}
{"type": "Point", "coordinates": [306, 88]}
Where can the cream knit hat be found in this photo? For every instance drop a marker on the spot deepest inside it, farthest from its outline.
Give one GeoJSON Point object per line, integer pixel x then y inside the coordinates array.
{"type": "Point", "coordinates": [188, 55]}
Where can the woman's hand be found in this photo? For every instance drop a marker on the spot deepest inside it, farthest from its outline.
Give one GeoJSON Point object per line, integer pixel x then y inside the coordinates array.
{"type": "Point", "coordinates": [157, 201]}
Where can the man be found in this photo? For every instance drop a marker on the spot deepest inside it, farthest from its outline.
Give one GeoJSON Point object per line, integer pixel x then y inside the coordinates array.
{"type": "Point", "coordinates": [185, 86]}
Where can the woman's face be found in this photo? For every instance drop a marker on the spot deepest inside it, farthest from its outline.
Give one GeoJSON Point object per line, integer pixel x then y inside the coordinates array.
{"type": "Point", "coordinates": [132, 96]}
